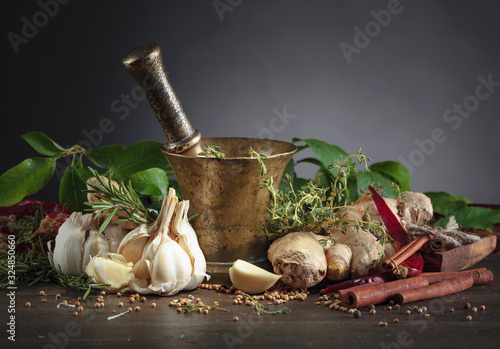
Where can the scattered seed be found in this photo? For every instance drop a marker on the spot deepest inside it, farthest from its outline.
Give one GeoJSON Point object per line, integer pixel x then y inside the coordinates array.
{"type": "Point", "coordinates": [80, 299]}
{"type": "Point", "coordinates": [371, 306]}
{"type": "Point", "coordinates": [200, 310]}
{"type": "Point", "coordinates": [103, 293]}
{"type": "Point", "coordinates": [391, 302]}
{"type": "Point", "coordinates": [58, 296]}
{"type": "Point", "coordinates": [427, 315]}
{"type": "Point", "coordinates": [205, 311]}
{"type": "Point", "coordinates": [65, 301]}
{"type": "Point", "coordinates": [396, 320]}
{"type": "Point", "coordinates": [467, 305]}
{"type": "Point", "coordinates": [482, 307]}
{"type": "Point", "coordinates": [28, 304]}
{"type": "Point", "coordinates": [351, 311]}
{"type": "Point", "coordinates": [179, 310]}
{"type": "Point", "coordinates": [389, 308]}
{"type": "Point", "coordinates": [131, 300]}
{"type": "Point", "coordinates": [415, 307]}
{"type": "Point", "coordinates": [41, 293]}
{"type": "Point", "coordinates": [452, 310]}
{"type": "Point", "coordinates": [408, 312]}
{"type": "Point", "coordinates": [235, 318]}
{"type": "Point", "coordinates": [80, 309]}
{"type": "Point", "coordinates": [373, 311]}
{"type": "Point", "coordinates": [474, 309]}
{"type": "Point", "coordinates": [153, 305]}
{"type": "Point", "coordinates": [424, 309]}
{"type": "Point", "coordinates": [469, 318]}
{"type": "Point", "coordinates": [397, 306]}
{"type": "Point", "coordinates": [119, 294]}
{"type": "Point", "coordinates": [382, 324]}
{"type": "Point", "coordinates": [137, 308]}
{"type": "Point", "coordinates": [143, 299]}
{"type": "Point", "coordinates": [420, 311]}
{"type": "Point", "coordinates": [120, 304]}
{"type": "Point", "coordinates": [75, 313]}
{"type": "Point", "coordinates": [129, 309]}
{"type": "Point", "coordinates": [77, 304]}
{"type": "Point", "coordinates": [357, 314]}
{"type": "Point", "coordinates": [44, 300]}
{"type": "Point", "coordinates": [97, 305]}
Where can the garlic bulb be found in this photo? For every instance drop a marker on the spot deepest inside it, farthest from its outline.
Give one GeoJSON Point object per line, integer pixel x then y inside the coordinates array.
{"type": "Point", "coordinates": [171, 259]}
{"type": "Point", "coordinates": [78, 241]}
{"type": "Point", "coordinates": [189, 242]}
{"type": "Point", "coordinates": [112, 269]}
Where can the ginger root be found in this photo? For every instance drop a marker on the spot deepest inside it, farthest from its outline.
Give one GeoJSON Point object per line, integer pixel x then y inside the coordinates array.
{"type": "Point", "coordinates": [338, 258]}
{"type": "Point", "coordinates": [300, 258]}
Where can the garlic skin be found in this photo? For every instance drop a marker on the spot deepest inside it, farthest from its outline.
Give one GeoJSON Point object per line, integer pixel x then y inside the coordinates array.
{"type": "Point", "coordinates": [78, 241]}
{"type": "Point", "coordinates": [250, 278]}
{"type": "Point", "coordinates": [112, 269]}
{"type": "Point", "coordinates": [189, 242]}
{"type": "Point", "coordinates": [171, 259]}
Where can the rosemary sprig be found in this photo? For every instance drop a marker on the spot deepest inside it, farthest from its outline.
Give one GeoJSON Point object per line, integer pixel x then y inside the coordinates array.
{"type": "Point", "coordinates": [213, 150]}
{"type": "Point", "coordinates": [113, 199]}
{"type": "Point", "coordinates": [261, 309]}
{"type": "Point", "coordinates": [260, 159]}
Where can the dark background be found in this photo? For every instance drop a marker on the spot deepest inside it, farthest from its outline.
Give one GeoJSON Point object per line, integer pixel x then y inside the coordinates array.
{"type": "Point", "coordinates": [233, 71]}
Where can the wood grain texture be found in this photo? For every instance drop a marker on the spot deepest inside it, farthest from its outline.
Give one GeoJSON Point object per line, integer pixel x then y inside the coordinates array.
{"type": "Point", "coordinates": [306, 325]}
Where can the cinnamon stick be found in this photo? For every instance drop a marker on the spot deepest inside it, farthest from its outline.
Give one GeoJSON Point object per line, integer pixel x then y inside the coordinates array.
{"type": "Point", "coordinates": [404, 253]}
{"type": "Point", "coordinates": [364, 295]}
{"type": "Point", "coordinates": [438, 289]}
{"type": "Point", "coordinates": [480, 276]}
{"type": "Point", "coordinates": [435, 244]}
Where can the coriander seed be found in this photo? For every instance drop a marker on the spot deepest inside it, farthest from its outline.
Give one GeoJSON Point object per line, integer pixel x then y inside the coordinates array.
{"type": "Point", "coordinates": [467, 305]}
{"type": "Point", "coordinates": [469, 318]}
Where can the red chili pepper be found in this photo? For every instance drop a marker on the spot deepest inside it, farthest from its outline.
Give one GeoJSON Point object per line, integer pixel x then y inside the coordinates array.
{"type": "Point", "coordinates": [415, 263]}
{"type": "Point", "coordinates": [384, 277]}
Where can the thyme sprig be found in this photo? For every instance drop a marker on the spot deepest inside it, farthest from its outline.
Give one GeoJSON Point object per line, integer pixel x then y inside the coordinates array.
{"type": "Point", "coordinates": [213, 150]}
{"type": "Point", "coordinates": [261, 309]}
{"type": "Point", "coordinates": [260, 159]}
{"type": "Point", "coordinates": [315, 208]}
{"type": "Point", "coordinates": [192, 307]}
{"type": "Point", "coordinates": [114, 199]}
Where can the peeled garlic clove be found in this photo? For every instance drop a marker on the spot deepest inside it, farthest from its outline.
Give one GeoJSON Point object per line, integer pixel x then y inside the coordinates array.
{"type": "Point", "coordinates": [114, 235]}
{"type": "Point", "coordinates": [338, 258]}
{"type": "Point", "coordinates": [189, 242]}
{"type": "Point", "coordinates": [111, 269]}
{"type": "Point", "coordinates": [141, 277]}
{"type": "Point", "coordinates": [68, 251]}
{"type": "Point", "coordinates": [133, 243]}
{"type": "Point", "coordinates": [250, 278]}
{"type": "Point", "coordinates": [171, 270]}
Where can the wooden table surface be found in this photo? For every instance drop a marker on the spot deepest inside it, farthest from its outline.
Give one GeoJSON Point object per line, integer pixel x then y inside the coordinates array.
{"type": "Point", "coordinates": [43, 325]}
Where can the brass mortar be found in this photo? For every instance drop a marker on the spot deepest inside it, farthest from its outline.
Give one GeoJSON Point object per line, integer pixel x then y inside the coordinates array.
{"type": "Point", "coordinates": [224, 192]}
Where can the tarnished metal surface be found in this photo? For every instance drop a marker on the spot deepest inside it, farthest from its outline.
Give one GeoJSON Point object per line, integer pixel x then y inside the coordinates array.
{"type": "Point", "coordinates": [145, 63]}
{"type": "Point", "coordinates": [226, 194]}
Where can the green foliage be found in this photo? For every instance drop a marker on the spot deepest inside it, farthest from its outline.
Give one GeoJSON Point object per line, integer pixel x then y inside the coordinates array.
{"type": "Point", "coordinates": [142, 163]}
{"type": "Point", "coordinates": [25, 179]}
{"type": "Point", "coordinates": [473, 218]}
{"type": "Point", "coordinates": [445, 204]}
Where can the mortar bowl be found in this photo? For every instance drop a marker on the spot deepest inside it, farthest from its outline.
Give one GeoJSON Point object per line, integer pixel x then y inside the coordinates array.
{"type": "Point", "coordinates": [226, 195]}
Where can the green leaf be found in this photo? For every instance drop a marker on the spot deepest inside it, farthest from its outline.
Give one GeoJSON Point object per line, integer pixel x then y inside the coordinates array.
{"type": "Point", "coordinates": [445, 203]}
{"type": "Point", "coordinates": [374, 179]}
{"type": "Point", "coordinates": [43, 144]}
{"type": "Point", "coordinates": [327, 153]}
{"type": "Point", "coordinates": [105, 157]}
{"type": "Point", "coordinates": [289, 170]}
{"type": "Point", "coordinates": [150, 182]}
{"type": "Point", "coordinates": [139, 157]}
{"type": "Point", "coordinates": [298, 183]}
{"type": "Point", "coordinates": [73, 185]}
{"type": "Point", "coordinates": [25, 179]}
{"type": "Point", "coordinates": [395, 171]}
{"type": "Point", "coordinates": [475, 218]}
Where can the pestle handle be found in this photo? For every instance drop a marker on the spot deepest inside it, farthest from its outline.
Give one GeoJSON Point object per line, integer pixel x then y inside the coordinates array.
{"type": "Point", "coordinates": [145, 64]}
